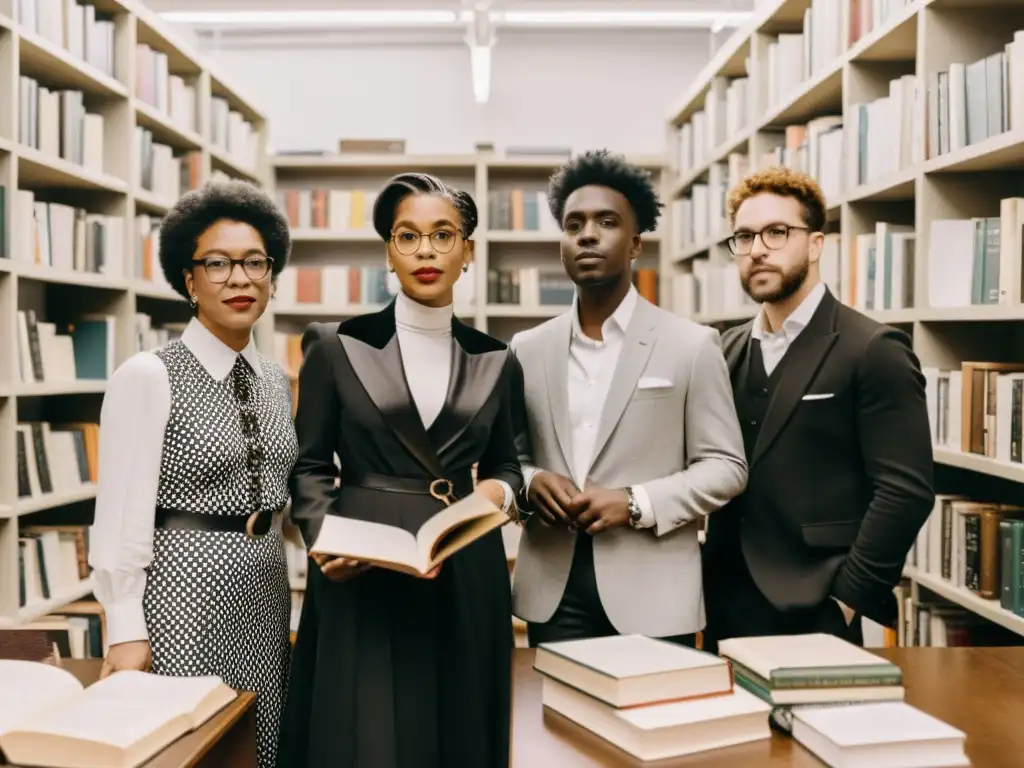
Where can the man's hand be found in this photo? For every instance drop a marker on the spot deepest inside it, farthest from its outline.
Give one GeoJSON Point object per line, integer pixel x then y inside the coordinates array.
{"type": "Point", "coordinates": [133, 655]}
{"type": "Point", "coordinates": [598, 509]}
{"type": "Point", "coordinates": [551, 495]}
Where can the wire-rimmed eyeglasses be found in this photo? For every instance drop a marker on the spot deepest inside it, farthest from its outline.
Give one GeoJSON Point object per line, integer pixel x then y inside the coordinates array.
{"type": "Point", "coordinates": [219, 268]}
{"type": "Point", "coordinates": [774, 236]}
{"type": "Point", "coordinates": [408, 241]}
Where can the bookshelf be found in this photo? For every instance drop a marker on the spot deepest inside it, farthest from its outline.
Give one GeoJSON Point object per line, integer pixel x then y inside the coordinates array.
{"type": "Point", "coordinates": [105, 119]}
{"type": "Point", "coordinates": [913, 125]}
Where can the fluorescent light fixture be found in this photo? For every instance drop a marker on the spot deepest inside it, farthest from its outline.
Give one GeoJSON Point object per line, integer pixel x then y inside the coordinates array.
{"type": "Point", "coordinates": [353, 18]}
{"type": "Point", "coordinates": [621, 18]}
{"type": "Point", "coordinates": [480, 63]}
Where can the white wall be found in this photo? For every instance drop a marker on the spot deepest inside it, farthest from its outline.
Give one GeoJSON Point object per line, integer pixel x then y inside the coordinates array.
{"type": "Point", "coordinates": [585, 90]}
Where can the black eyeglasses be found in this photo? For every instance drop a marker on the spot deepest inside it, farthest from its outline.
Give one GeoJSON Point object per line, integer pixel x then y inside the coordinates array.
{"type": "Point", "coordinates": [774, 237]}
{"type": "Point", "coordinates": [219, 268]}
{"type": "Point", "coordinates": [407, 242]}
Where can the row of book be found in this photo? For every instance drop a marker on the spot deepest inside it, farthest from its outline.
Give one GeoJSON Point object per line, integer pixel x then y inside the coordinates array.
{"type": "Point", "coordinates": [339, 210]}
{"type": "Point", "coordinates": [232, 134]}
{"type": "Point", "coordinates": [166, 92]}
{"type": "Point", "coordinates": [82, 29]}
{"type": "Point", "coordinates": [56, 458]}
{"type": "Point", "coordinates": [338, 286]}
{"type": "Point", "coordinates": [657, 700]}
{"type": "Point", "coordinates": [161, 171]}
{"type": "Point", "coordinates": [886, 134]}
{"type": "Point", "coordinates": [725, 112]}
{"type": "Point", "coordinates": [82, 350]}
{"type": "Point", "coordinates": [65, 237]}
{"type": "Point", "coordinates": [969, 102]}
{"type": "Point", "coordinates": [975, 546]}
{"type": "Point", "coordinates": [52, 562]}
{"type": "Point", "coordinates": [520, 210]}
{"type": "Point", "coordinates": [55, 122]}
{"type": "Point", "coordinates": [976, 408]}
{"type": "Point", "coordinates": [700, 214]}
{"type": "Point", "coordinates": [75, 630]}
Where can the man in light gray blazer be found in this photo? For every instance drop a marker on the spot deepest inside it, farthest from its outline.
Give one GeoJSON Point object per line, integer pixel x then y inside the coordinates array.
{"type": "Point", "coordinates": [628, 435]}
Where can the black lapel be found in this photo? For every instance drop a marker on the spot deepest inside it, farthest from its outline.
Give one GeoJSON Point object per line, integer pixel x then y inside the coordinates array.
{"type": "Point", "coordinates": [372, 347]}
{"type": "Point", "coordinates": [736, 343]}
{"type": "Point", "coordinates": [802, 361]}
{"type": "Point", "coordinates": [477, 367]}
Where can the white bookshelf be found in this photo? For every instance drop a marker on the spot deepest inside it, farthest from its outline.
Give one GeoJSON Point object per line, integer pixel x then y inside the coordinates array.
{"type": "Point", "coordinates": [108, 186]}
{"type": "Point", "coordinates": [912, 177]}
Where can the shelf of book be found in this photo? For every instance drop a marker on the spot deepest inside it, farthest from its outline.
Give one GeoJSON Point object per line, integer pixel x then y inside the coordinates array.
{"type": "Point", "coordinates": [912, 122]}
{"type": "Point", "coordinates": [106, 118]}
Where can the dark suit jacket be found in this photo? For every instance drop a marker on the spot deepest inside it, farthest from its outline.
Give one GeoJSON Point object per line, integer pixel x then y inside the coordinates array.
{"type": "Point", "coordinates": [354, 401]}
{"type": "Point", "coordinates": [838, 486]}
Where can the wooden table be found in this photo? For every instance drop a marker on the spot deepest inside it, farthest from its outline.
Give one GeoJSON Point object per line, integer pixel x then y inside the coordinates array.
{"type": "Point", "coordinates": [978, 690]}
{"type": "Point", "coordinates": [227, 740]}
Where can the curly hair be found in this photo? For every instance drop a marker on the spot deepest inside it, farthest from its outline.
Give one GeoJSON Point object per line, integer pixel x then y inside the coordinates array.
{"type": "Point", "coordinates": [198, 210]}
{"type": "Point", "coordinates": [397, 188]}
{"type": "Point", "coordinates": [784, 182]}
{"type": "Point", "coordinates": [601, 168]}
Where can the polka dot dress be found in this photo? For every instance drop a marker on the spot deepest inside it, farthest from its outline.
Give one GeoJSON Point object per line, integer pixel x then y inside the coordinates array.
{"type": "Point", "coordinates": [219, 602]}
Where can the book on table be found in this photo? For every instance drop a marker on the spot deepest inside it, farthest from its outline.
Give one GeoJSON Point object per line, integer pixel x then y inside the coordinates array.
{"type": "Point", "coordinates": [650, 698]}
{"type": "Point", "coordinates": [48, 718]}
{"type": "Point", "coordinates": [811, 669]}
{"type": "Point", "coordinates": [441, 536]}
{"type": "Point", "coordinates": [881, 733]}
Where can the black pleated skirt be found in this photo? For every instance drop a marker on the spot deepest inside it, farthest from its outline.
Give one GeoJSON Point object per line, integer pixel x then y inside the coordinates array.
{"type": "Point", "coordinates": [392, 671]}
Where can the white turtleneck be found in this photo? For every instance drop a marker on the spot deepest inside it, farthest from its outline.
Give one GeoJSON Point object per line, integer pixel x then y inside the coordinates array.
{"type": "Point", "coordinates": [425, 340]}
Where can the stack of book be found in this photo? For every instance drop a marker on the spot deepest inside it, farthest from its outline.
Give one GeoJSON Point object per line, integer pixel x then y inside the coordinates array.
{"type": "Point", "coordinates": [650, 698]}
{"type": "Point", "coordinates": [841, 702]}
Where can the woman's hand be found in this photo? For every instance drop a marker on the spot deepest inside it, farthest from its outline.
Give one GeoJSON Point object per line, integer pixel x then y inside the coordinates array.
{"type": "Point", "coordinates": [493, 490]}
{"type": "Point", "coordinates": [339, 568]}
{"type": "Point", "coordinates": [133, 655]}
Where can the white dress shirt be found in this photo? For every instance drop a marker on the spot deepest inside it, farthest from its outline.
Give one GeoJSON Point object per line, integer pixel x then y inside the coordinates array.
{"type": "Point", "coordinates": [425, 340]}
{"type": "Point", "coordinates": [132, 423]}
{"type": "Point", "coordinates": [591, 366]}
{"type": "Point", "coordinates": [774, 344]}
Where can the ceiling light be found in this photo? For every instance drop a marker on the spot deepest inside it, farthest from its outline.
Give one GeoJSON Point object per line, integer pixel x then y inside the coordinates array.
{"type": "Point", "coordinates": [621, 18]}
{"type": "Point", "coordinates": [388, 18]}
{"type": "Point", "coordinates": [480, 63]}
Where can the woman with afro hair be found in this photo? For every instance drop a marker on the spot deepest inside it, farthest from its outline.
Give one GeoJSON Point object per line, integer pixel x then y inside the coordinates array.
{"type": "Point", "coordinates": [196, 447]}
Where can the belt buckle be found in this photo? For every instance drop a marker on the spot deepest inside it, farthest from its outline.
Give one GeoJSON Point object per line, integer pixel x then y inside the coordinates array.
{"type": "Point", "coordinates": [253, 525]}
{"type": "Point", "coordinates": [448, 495]}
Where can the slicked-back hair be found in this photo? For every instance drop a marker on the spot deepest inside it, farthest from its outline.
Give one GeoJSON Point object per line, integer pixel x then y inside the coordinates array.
{"type": "Point", "coordinates": [198, 210]}
{"type": "Point", "coordinates": [401, 186]}
{"type": "Point", "coordinates": [604, 169]}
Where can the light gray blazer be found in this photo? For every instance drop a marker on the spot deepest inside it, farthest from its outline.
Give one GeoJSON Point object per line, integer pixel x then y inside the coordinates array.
{"type": "Point", "coordinates": [682, 442]}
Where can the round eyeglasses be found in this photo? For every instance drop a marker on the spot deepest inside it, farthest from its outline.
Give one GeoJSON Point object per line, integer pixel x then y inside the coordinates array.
{"type": "Point", "coordinates": [219, 268]}
{"type": "Point", "coordinates": [407, 242]}
{"type": "Point", "coordinates": [773, 237]}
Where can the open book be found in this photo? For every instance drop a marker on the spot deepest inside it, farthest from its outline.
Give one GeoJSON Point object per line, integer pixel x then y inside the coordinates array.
{"type": "Point", "coordinates": [47, 718]}
{"type": "Point", "coordinates": [444, 534]}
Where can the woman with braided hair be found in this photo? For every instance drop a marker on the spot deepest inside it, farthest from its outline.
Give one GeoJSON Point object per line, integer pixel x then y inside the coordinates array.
{"type": "Point", "coordinates": [391, 670]}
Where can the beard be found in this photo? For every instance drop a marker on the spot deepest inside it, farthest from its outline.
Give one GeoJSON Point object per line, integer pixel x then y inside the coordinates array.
{"type": "Point", "coordinates": [789, 284]}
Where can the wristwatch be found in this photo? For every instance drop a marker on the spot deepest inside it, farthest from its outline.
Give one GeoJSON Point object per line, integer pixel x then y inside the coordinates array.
{"type": "Point", "coordinates": [634, 508]}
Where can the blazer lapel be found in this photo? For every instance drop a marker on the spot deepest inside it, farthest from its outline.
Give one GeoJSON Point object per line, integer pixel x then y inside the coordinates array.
{"type": "Point", "coordinates": [737, 345]}
{"type": "Point", "coordinates": [474, 377]}
{"type": "Point", "coordinates": [803, 359]}
{"type": "Point", "coordinates": [382, 375]}
{"type": "Point", "coordinates": [557, 383]}
{"type": "Point", "coordinates": [636, 349]}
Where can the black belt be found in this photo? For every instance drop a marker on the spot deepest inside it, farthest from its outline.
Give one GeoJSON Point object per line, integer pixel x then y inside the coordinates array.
{"type": "Point", "coordinates": [255, 526]}
{"type": "Point", "coordinates": [447, 489]}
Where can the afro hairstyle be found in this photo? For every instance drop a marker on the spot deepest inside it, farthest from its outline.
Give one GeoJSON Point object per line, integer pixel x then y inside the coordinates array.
{"type": "Point", "coordinates": [397, 188]}
{"type": "Point", "coordinates": [601, 168]}
{"type": "Point", "coordinates": [198, 210]}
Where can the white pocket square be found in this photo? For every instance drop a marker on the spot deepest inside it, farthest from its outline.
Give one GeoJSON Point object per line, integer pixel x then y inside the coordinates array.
{"type": "Point", "coordinates": [653, 383]}
{"type": "Point", "coordinates": [825, 396]}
